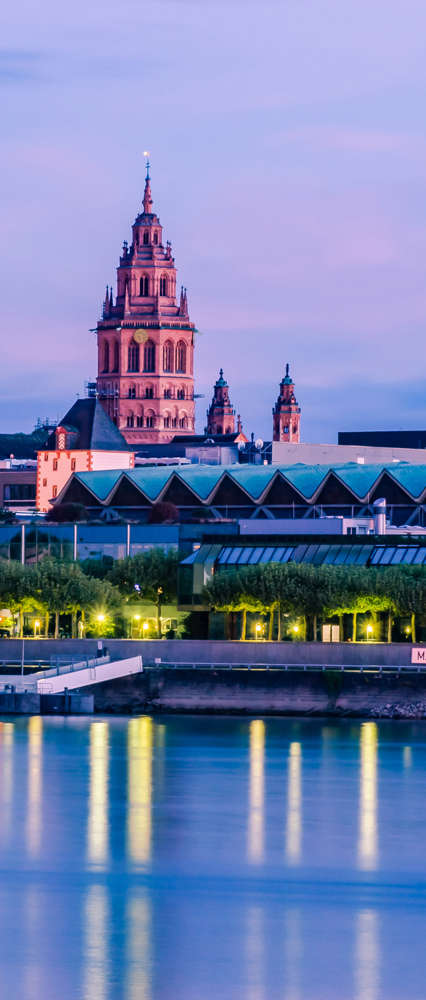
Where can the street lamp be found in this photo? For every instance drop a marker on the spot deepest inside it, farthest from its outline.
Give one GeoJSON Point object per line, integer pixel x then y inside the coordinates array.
{"type": "Point", "coordinates": [295, 628]}
{"type": "Point", "coordinates": [159, 594]}
{"type": "Point", "coordinates": [258, 629]}
{"type": "Point", "coordinates": [136, 618]}
{"type": "Point", "coordinates": [36, 626]}
{"type": "Point", "coordinates": [369, 631]}
{"type": "Point", "coordinates": [145, 628]}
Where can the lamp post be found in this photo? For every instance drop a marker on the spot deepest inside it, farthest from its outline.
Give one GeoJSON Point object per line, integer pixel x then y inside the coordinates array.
{"type": "Point", "coordinates": [159, 594]}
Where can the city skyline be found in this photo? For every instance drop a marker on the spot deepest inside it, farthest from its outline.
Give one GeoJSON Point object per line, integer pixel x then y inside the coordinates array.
{"type": "Point", "coordinates": [291, 181]}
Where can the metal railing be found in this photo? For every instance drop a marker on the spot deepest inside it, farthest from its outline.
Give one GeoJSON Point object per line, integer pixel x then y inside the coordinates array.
{"type": "Point", "coordinates": [361, 668]}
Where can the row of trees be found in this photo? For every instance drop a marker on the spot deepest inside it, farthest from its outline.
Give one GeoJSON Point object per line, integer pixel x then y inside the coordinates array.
{"type": "Point", "coordinates": [90, 591]}
{"type": "Point", "coordinates": [311, 592]}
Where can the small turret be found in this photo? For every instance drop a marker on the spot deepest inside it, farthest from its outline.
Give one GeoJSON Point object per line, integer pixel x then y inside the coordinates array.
{"type": "Point", "coordinates": [286, 412]}
{"type": "Point", "coordinates": [221, 414]}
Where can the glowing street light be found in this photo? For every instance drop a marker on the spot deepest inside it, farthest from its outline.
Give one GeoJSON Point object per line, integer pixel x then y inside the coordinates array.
{"type": "Point", "coordinates": [36, 627]}
{"type": "Point", "coordinates": [145, 627]}
{"type": "Point", "coordinates": [100, 618]}
{"type": "Point", "coordinates": [258, 629]}
{"type": "Point", "coordinates": [369, 631]}
{"type": "Point", "coordinates": [295, 628]}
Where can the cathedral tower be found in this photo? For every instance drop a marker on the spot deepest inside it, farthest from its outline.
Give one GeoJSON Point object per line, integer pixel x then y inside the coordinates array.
{"type": "Point", "coordinates": [220, 414]}
{"type": "Point", "coordinates": [146, 340]}
{"type": "Point", "coordinates": [286, 412]}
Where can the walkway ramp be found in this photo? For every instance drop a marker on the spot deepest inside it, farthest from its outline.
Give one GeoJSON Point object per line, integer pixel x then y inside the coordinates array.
{"type": "Point", "coordinates": [71, 676]}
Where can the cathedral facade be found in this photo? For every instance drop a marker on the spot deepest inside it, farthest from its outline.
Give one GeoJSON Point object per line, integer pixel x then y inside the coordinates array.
{"type": "Point", "coordinates": [146, 340]}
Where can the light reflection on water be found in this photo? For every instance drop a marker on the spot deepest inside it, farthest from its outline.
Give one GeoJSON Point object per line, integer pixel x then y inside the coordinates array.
{"type": "Point", "coordinates": [188, 858]}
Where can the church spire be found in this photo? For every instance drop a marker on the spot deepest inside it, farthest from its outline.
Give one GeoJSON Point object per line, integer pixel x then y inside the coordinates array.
{"type": "Point", "coordinates": [147, 197]}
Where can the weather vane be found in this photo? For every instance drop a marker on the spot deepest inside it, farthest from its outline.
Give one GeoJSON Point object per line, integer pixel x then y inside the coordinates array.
{"type": "Point", "coordinates": [146, 155]}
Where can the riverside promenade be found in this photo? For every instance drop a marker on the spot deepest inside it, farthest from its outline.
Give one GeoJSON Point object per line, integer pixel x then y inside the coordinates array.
{"type": "Point", "coordinates": [341, 679]}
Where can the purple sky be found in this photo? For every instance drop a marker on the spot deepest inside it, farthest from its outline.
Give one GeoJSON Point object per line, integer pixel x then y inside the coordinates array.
{"type": "Point", "coordinates": [288, 151]}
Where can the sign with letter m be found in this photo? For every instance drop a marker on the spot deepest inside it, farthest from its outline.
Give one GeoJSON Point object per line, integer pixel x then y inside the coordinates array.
{"type": "Point", "coordinates": [418, 654]}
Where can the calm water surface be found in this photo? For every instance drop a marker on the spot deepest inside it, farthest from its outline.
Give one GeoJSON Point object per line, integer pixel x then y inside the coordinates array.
{"type": "Point", "coordinates": [200, 858]}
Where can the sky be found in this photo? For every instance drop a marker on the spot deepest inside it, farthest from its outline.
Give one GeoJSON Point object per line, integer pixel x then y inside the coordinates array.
{"type": "Point", "coordinates": [288, 164]}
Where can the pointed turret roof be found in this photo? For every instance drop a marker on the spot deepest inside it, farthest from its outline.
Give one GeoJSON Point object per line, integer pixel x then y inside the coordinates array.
{"type": "Point", "coordinates": [92, 427]}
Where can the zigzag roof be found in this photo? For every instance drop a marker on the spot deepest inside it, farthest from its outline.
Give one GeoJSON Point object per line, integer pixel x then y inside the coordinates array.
{"type": "Point", "coordinates": [203, 480]}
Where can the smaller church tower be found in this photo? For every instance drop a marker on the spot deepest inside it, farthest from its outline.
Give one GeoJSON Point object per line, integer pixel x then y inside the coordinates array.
{"type": "Point", "coordinates": [220, 414]}
{"type": "Point", "coordinates": [286, 412]}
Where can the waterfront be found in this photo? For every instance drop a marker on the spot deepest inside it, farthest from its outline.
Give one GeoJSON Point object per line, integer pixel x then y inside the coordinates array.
{"type": "Point", "coordinates": [197, 857]}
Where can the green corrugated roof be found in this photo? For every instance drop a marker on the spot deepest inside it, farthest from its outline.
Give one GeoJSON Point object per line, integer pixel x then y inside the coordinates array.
{"type": "Point", "coordinates": [202, 479]}
{"type": "Point", "coordinates": [100, 482]}
{"type": "Point", "coordinates": [151, 481]}
{"type": "Point", "coordinates": [411, 477]}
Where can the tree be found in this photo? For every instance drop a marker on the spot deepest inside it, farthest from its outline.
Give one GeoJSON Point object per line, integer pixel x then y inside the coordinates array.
{"type": "Point", "coordinates": [142, 575]}
{"type": "Point", "coordinates": [17, 589]}
{"type": "Point", "coordinates": [67, 513]}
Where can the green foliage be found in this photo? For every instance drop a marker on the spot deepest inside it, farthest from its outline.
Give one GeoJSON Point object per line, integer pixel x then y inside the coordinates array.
{"type": "Point", "coordinates": [149, 571]}
{"type": "Point", "coordinates": [304, 589]}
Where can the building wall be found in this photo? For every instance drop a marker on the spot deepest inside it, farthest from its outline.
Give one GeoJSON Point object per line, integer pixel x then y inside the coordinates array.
{"type": "Point", "coordinates": [332, 454]}
{"type": "Point", "coordinates": [54, 468]}
{"type": "Point", "coordinates": [17, 488]}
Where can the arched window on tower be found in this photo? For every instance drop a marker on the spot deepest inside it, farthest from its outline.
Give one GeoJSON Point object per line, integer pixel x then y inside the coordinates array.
{"type": "Point", "coordinates": [130, 420]}
{"type": "Point", "coordinates": [146, 237]}
{"type": "Point", "coordinates": [149, 356]}
{"type": "Point", "coordinates": [132, 392]}
{"type": "Point", "coordinates": [180, 394]}
{"type": "Point", "coordinates": [106, 357]}
{"type": "Point", "coordinates": [156, 238]}
{"type": "Point", "coordinates": [144, 286]}
{"type": "Point", "coordinates": [116, 357]}
{"type": "Point", "coordinates": [133, 357]}
{"type": "Point", "coordinates": [150, 418]}
{"type": "Point", "coordinates": [181, 356]}
{"type": "Point", "coordinates": [163, 285]}
{"type": "Point", "coordinates": [168, 356]}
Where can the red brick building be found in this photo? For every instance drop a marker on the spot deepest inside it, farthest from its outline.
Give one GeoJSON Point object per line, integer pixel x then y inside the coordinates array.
{"type": "Point", "coordinates": [286, 412]}
{"type": "Point", "coordinates": [146, 340]}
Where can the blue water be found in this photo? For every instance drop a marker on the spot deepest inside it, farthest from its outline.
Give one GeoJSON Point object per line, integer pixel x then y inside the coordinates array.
{"type": "Point", "coordinates": [182, 858]}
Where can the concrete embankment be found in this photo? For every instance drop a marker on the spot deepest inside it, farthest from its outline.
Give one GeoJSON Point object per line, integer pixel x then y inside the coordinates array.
{"type": "Point", "coordinates": [219, 689]}
{"type": "Point", "coordinates": [259, 692]}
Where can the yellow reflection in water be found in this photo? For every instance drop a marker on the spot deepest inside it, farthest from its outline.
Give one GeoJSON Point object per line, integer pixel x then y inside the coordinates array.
{"type": "Point", "coordinates": [407, 756]}
{"type": "Point", "coordinates": [255, 844]}
{"type": "Point", "coordinates": [96, 973]}
{"type": "Point", "coordinates": [139, 788]}
{"type": "Point", "coordinates": [7, 731]}
{"type": "Point", "coordinates": [35, 779]}
{"type": "Point", "coordinates": [255, 953]}
{"type": "Point", "coordinates": [293, 841]}
{"type": "Point", "coordinates": [292, 953]}
{"type": "Point", "coordinates": [97, 831]}
{"type": "Point", "coordinates": [367, 843]}
{"type": "Point", "coordinates": [139, 946]}
{"type": "Point", "coordinates": [367, 955]}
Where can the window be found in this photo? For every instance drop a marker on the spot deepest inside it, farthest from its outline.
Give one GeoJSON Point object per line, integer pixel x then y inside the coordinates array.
{"type": "Point", "coordinates": [54, 491]}
{"type": "Point", "coordinates": [156, 238]}
{"type": "Point", "coordinates": [168, 356]}
{"type": "Point", "coordinates": [174, 422]}
{"type": "Point", "coordinates": [73, 464]}
{"type": "Point", "coordinates": [55, 464]}
{"type": "Point", "coordinates": [44, 482]}
{"type": "Point", "coordinates": [133, 358]}
{"type": "Point", "coordinates": [149, 392]}
{"type": "Point", "coordinates": [167, 421]}
{"type": "Point", "coordinates": [130, 420]}
{"type": "Point", "coordinates": [144, 285]}
{"type": "Point", "coordinates": [181, 356]}
{"type": "Point", "coordinates": [183, 423]}
{"type": "Point", "coordinates": [167, 394]}
{"type": "Point", "coordinates": [149, 357]}
{"type": "Point", "coordinates": [180, 394]}
{"type": "Point", "coordinates": [106, 357]}
{"type": "Point", "coordinates": [46, 457]}
{"type": "Point", "coordinates": [132, 392]}
{"type": "Point", "coordinates": [116, 360]}
{"type": "Point", "coordinates": [139, 421]}
{"type": "Point", "coordinates": [146, 237]}
{"type": "Point", "coordinates": [163, 285]}
{"type": "Point", "coordinates": [285, 429]}
{"type": "Point", "coordinates": [150, 421]}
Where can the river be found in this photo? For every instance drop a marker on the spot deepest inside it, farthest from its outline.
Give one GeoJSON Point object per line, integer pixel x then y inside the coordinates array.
{"type": "Point", "coordinates": [196, 858]}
